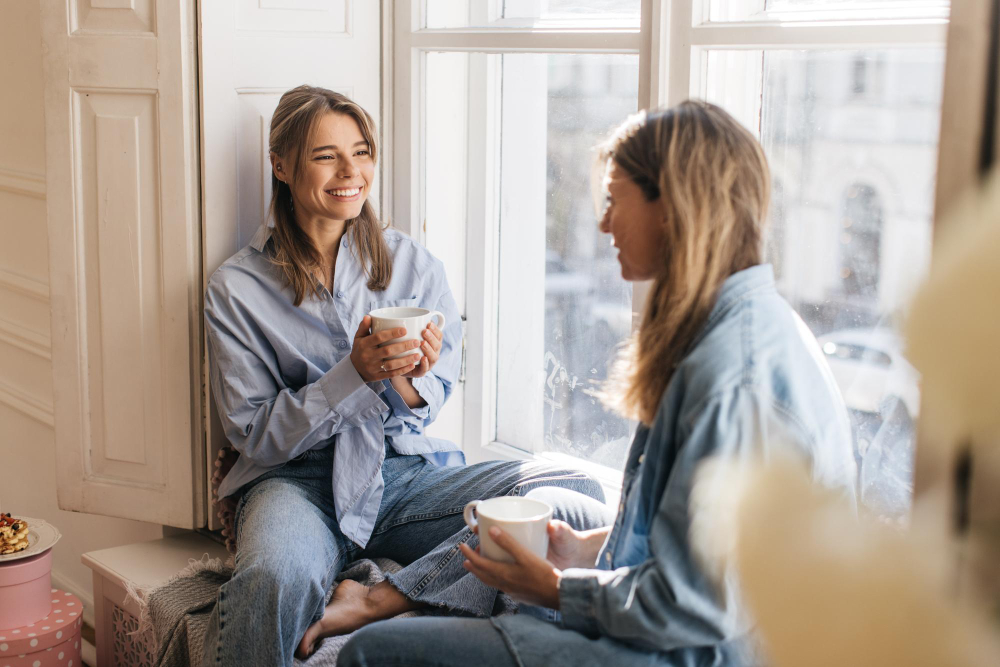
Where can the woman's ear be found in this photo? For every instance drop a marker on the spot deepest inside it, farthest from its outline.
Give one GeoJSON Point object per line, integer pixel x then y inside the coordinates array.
{"type": "Point", "coordinates": [278, 168]}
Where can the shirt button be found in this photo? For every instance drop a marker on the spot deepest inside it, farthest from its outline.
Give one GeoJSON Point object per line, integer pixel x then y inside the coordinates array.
{"type": "Point", "coordinates": [642, 457]}
{"type": "Point", "coordinates": [344, 243]}
{"type": "Point", "coordinates": [342, 344]}
{"type": "Point", "coordinates": [340, 295]}
{"type": "Point", "coordinates": [607, 556]}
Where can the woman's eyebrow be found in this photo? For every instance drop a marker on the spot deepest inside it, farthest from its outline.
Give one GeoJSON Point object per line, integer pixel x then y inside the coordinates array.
{"type": "Point", "coordinates": [332, 147]}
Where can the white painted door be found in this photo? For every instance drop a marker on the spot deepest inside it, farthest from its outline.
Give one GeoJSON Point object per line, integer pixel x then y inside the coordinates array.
{"type": "Point", "coordinates": [125, 262]}
{"type": "Point", "coordinates": [251, 52]}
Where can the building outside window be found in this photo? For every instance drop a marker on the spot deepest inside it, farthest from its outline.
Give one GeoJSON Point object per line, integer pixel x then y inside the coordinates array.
{"type": "Point", "coordinates": [845, 98]}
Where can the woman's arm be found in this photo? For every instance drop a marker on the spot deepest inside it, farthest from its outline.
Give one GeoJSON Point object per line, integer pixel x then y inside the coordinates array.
{"type": "Point", "coordinates": [272, 425]}
{"type": "Point", "coordinates": [268, 423]}
{"type": "Point", "coordinates": [667, 602]}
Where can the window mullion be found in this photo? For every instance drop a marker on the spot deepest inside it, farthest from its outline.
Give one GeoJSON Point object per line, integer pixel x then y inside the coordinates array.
{"type": "Point", "coordinates": [842, 35]}
{"type": "Point", "coordinates": [537, 41]}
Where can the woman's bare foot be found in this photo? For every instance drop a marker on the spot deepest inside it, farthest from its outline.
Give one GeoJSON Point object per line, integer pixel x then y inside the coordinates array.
{"type": "Point", "coordinates": [354, 606]}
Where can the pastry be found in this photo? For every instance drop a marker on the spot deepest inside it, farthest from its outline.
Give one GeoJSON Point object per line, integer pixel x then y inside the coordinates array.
{"type": "Point", "coordinates": [13, 547]}
{"type": "Point", "coordinates": [13, 534]}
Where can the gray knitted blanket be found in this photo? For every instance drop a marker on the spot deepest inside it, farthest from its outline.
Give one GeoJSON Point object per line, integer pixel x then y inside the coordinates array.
{"type": "Point", "coordinates": [177, 613]}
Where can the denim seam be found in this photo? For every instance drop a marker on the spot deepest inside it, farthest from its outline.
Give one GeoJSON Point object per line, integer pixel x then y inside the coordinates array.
{"type": "Point", "coordinates": [518, 489]}
{"type": "Point", "coordinates": [222, 626]}
{"type": "Point", "coordinates": [430, 576]}
{"type": "Point", "coordinates": [420, 517]}
{"type": "Point", "coordinates": [508, 642]}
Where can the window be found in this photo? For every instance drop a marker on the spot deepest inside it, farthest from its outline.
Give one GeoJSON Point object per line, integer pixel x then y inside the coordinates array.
{"type": "Point", "coordinates": [844, 96]}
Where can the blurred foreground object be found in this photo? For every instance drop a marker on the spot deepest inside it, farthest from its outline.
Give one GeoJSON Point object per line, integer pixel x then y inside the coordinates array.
{"type": "Point", "coordinates": [953, 329]}
{"type": "Point", "coordinates": [825, 588]}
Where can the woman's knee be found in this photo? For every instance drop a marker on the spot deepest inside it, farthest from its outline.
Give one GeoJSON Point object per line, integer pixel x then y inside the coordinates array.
{"type": "Point", "coordinates": [581, 510]}
{"type": "Point", "coordinates": [370, 646]}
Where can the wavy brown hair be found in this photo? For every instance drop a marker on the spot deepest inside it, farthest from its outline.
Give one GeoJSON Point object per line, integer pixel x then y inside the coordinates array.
{"type": "Point", "coordinates": [713, 184]}
{"type": "Point", "coordinates": [292, 126]}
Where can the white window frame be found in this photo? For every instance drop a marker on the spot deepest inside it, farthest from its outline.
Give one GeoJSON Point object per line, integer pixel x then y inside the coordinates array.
{"type": "Point", "coordinates": [672, 45]}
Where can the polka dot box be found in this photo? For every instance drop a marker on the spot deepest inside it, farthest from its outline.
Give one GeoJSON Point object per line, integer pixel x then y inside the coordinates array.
{"type": "Point", "coordinates": [53, 641]}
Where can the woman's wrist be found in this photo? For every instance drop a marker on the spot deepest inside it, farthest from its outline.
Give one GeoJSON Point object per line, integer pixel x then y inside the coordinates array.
{"type": "Point", "coordinates": [404, 387]}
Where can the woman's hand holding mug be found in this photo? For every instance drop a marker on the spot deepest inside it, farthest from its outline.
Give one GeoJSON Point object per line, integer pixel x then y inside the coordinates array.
{"type": "Point", "coordinates": [375, 363]}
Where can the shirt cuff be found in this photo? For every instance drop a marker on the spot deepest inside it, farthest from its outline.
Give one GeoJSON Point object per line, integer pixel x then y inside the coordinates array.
{"type": "Point", "coordinates": [429, 387]}
{"type": "Point", "coordinates": [349, 395]}
{"type": "Point", "coordinates": [577, 587]}
{"type": "Point", "coordinates": [400, 407]}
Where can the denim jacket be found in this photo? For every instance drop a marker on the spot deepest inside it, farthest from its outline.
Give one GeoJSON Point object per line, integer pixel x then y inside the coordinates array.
{"type": "Point", "coordinates": [754, 380]}
{"type": "Point", "coordinates": [284, 383]}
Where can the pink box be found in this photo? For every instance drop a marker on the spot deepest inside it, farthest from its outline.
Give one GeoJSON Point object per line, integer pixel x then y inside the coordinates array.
{"type": "Point", "coordinates": [53, 640]}
{"type": "Point", "coordinates": [24, 590]}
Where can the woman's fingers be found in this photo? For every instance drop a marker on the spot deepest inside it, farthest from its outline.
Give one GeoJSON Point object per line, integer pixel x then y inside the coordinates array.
{"type": "Point", "coordinates": [407, 346]}
{"type": "Point", "coordinates": [510, 545]}
{"type": "Point", "coordinates": [364, 328]}
{"type": "Point", "coordinates": [433, 335]}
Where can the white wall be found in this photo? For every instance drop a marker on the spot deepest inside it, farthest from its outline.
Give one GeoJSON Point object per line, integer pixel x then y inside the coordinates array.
{"type": "Point", "coordinates": [27, 448]}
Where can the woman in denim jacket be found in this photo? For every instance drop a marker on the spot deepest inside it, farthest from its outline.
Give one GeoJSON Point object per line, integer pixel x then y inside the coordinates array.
{"type": "Point", "coordinates": [721, 365]}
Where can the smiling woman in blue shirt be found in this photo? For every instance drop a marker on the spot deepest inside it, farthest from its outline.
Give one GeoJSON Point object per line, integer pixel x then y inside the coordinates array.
{"type": "Point", "coordinates": [721, 364]}
{"type": "Point", "coordinates": [333, 461]}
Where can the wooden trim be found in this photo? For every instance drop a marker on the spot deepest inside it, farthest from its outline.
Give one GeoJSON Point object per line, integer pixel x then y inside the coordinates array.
{"type": "Point", "coordinates": [34, 342]}
{"type": "Point", "coordinates": [27, 286]}
{"type": "Point", "coordinates": [963, 107]}
{"type": "Point", "coordinates": [22, 182]}
{"type": "Point", "coordinates": [503, 41]}
{"type": "Point", "coordinates": [31, 406]}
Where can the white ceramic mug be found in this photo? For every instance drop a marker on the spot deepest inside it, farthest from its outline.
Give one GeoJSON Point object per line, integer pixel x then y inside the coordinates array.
{"type": "Point", "coordinates": [414, 320]}
{"type": "Point", "coordinates": [524, 519]}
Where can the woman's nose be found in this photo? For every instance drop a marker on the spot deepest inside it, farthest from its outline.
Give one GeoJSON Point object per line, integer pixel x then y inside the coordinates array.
{"type": "Point", "coordinates": [348, 169]}
{"type": "Point", "coordinates": [604, 224]}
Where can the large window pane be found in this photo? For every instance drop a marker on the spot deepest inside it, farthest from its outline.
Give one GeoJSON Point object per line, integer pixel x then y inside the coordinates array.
{"type": "Point", "coordinates": [818, 10]}
{"type": "Point", "coordinates": [563, 306]}
{"type": "Point", "coordinates": [480, 13]}
{"type": "Point", "coordinates": [851, 137]}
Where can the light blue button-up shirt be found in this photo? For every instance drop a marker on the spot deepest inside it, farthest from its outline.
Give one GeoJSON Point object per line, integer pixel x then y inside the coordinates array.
{"type": "Point", "coordinates": [754, 381]}
{"type": "Point", "coordinates": [284, 382]}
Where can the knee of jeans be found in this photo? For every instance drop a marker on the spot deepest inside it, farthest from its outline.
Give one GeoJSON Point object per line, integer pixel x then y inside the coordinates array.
{"type": "Point", "coordinates": [580, 510]}
{"type": "Point", "coordinates": [593, 488]}
{"type": "Point", "coordinates": [357, 652]}
{"type": "Point", "coordinates": [277, 577]}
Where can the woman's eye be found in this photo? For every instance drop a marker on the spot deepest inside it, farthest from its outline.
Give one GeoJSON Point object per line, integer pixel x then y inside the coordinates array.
{"type": "Point", "coordinates": [362, 152]}
{"type": "Point", "coordinates": [325, 157]}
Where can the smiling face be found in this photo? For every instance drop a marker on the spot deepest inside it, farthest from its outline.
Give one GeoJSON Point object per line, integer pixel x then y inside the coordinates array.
{"type": "Point", "coordinates": [336, 173]}
{"type": "Point", "coordinates": [635, 224]}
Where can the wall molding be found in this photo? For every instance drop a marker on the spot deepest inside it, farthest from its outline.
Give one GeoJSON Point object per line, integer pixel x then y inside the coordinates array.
{"type": "Point", "coordinates": [22, 182]}
{"type": "Point", "coordinates": [37, 343]}
{"type": "Point", "coordinates": [28, 286]}
{"type": "Point", "coordinates": [27, 404]}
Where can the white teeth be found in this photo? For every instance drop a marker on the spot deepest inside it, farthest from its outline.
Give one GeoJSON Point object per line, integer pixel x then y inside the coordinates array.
{"type": "Point", "coordinates": [345, 193]}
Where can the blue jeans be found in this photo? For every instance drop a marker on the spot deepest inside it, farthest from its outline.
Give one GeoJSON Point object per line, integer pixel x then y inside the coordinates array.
{"type": "Point", "coordinates": [290, 548]}
{"type": "Point", "coordinates": [513, 641]}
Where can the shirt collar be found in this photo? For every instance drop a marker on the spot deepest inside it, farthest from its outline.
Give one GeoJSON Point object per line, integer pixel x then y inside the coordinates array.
{"type": "Point", "coordinates": [261, 237]}
{"type": "Point", "coordinates": [735, 288]}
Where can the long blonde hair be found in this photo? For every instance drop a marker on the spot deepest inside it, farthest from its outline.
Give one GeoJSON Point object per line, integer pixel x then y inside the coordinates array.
{"type": "Point", "coordinates": [292, 125]}
{"type": "Point", "coordinates": [712, 181]}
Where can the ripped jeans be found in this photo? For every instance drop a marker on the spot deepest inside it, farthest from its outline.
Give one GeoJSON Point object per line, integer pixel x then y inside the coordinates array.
{"type": "Point", "coordinates": [290, 548]}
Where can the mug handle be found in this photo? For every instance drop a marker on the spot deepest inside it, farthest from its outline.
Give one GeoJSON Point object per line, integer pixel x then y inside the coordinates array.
{"type": "Point", "coordinates": [469, 514]}
{"type": "Point", "coordinates": [439, 315]}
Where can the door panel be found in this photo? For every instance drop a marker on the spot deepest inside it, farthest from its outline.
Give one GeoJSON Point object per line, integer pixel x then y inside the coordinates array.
{"type": "Point", "coordinates": [125, 271]}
